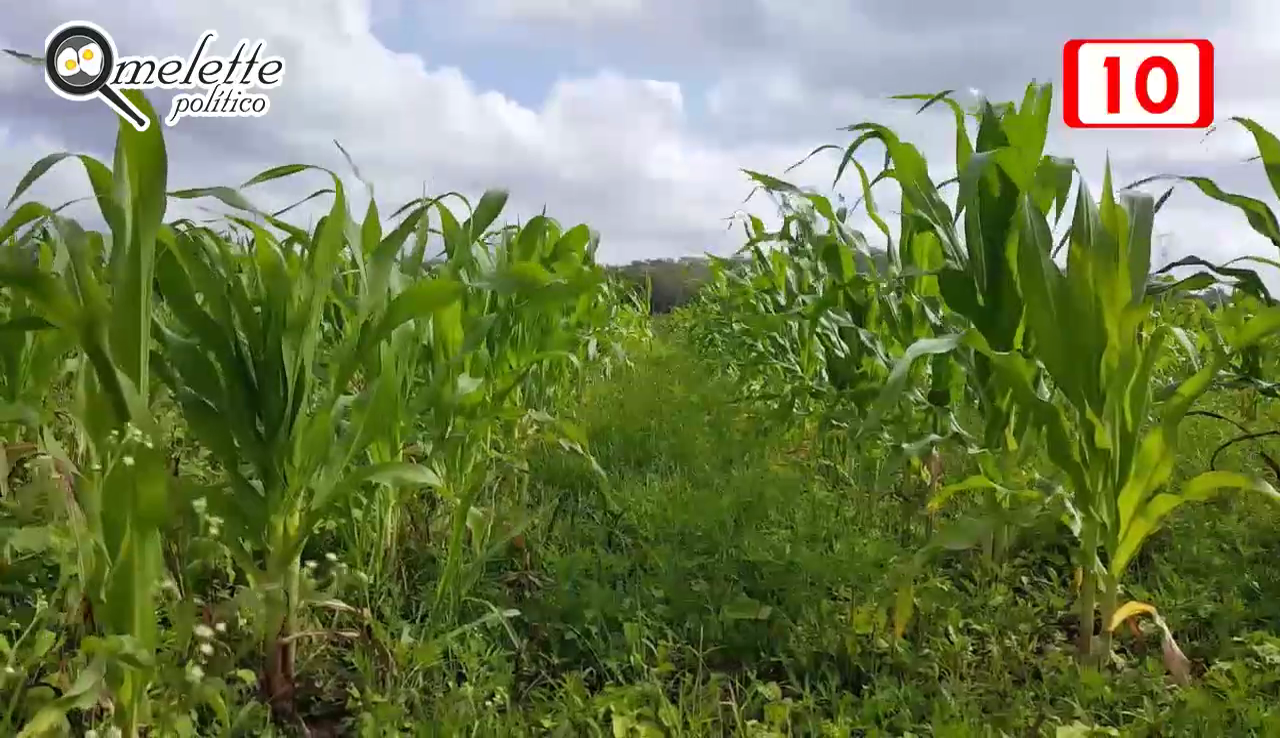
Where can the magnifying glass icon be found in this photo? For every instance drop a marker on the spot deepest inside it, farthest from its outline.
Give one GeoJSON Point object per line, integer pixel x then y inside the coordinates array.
{"type": "Point", "coordinates": [79, 58]}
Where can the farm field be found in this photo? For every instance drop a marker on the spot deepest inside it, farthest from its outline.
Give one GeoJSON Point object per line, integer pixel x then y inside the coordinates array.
{"type": "Point", "coordinates": [423, 469]}
{"type": "Point", "coordinates": [745, 591]}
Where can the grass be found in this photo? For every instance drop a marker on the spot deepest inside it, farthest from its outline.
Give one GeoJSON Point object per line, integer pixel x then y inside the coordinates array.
{"type": "Point", "coordinates": [723, 586]}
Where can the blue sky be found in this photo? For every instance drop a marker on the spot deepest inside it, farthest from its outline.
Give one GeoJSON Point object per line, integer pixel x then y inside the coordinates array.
{"type": "Point", "coordinates": [635, 116]}
{"type": "Point", "coordinates": [522, 68]}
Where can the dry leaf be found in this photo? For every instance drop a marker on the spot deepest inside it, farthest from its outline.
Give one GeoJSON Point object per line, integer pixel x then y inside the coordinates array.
{"type": "Point", "coordinates": [1176, 662]}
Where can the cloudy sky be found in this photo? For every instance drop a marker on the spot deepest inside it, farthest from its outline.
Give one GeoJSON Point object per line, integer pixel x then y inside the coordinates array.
{"type": "Point", "coordinates": [636, 115]}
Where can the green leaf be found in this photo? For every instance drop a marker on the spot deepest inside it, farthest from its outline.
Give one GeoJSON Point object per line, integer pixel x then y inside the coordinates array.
{"type": "Point", "coordinates": [1247, 280]}
{"type": "Point", "coordinates": [521, 278]}
{"type": "Point", "coordinates": [284, 170]}
{"type": "Point", "coordinates": [28, 212]}
{"type": "Point", "coordinates": [393, 474]}
{"type": "Point", "coordinates": [36, 171]}
{"type": "Point", "coordinates": [402, 474]}
{"type": "Point", "coordinates": [573, 244]}
{"type": "Point", "coordinates": [1268, 150]}
{"type": "Point", "coordinates": [422, 299]}
{"type": "Point", "coordinates": [1202, 487]}
{"type": "Point", "coordinates": [227, 195]}
{"type": "Point", "coordinates": [969, 484]}
{"type": "Point", "coordinates": [32, 59]}
{"type": "Point", "coordinates": [897, 379]}
{"type": "Point", "coordinates": [1260, 217]}
{"type": "Point", "coordinates": [745, 608]}
{"type": "Point", "coordinates": [487, 210]}
{"type": "Point", "coordinates": [1266, 323]}
{"type": "Point", "coordinates": [141, 156]}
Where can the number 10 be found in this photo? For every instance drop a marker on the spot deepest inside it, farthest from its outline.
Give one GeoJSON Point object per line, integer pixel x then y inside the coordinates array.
{"type": "Point", "coordinates": [1154, 83]}
{"type": "Point", "coordinates": [1141, 88]}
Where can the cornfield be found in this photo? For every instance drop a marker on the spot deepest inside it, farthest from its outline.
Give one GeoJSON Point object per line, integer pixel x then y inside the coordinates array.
{"type": "Point", "coordinates": [260, 478]}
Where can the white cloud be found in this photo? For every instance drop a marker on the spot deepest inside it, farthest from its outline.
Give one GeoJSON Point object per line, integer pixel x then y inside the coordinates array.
{"type": "Point", "coordinates": [766, 101]}
{"type": "Point", "coordinates": [612, 151]}
{"type": "Point", "coordinates": [642, 160]}
{"type": "Point", "coordinates": [16, 159]}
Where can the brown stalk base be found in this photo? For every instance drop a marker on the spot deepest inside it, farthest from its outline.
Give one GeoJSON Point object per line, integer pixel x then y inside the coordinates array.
{"type": "Point", "coordinates": [278, 683]}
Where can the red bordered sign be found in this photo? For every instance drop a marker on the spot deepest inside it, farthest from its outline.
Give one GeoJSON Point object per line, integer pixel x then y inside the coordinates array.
{"type": "Point", "coordinates": [1137, 83]}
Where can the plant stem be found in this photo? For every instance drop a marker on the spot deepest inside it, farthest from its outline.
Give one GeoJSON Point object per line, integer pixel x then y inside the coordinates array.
{"type": "Point", "coordinates": [1088, 592]}
{"type": "Point", "coordinates": [1110, 595]}
{"type": "Point", "coordinates": [1000, 544]}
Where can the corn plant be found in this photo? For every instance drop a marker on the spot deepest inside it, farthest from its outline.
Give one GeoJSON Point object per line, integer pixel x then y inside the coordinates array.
{"type": "Point", "coordinates": [521, 324]}
{"type": "Point", "coordinates": [966, 266]}
{"type": "Point", "coordinates": [802, 319]}
{"type": "Point", "coordinates": [1094, 412]}
{"type": "Point", "coordinates": [1118, 468]}
{"type": "Point", "coordinates": [97, 290]}
{"type": "Point", "coordinates": [35, 358]}
{"type": "Point", "coordinates": [274, 387]}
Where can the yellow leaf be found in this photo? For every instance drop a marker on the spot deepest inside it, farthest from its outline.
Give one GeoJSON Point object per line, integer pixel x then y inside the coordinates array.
{"type": "Point", "coordinates": [1176, 662]}
{"type": "Point", "coordinates": [1128, 610]}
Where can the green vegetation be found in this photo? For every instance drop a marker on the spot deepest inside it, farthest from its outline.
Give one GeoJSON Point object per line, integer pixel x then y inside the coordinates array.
{"type": "Point", "coordinates": [426, 473]}
{"type": "Point", "coordinates": [668, 283]}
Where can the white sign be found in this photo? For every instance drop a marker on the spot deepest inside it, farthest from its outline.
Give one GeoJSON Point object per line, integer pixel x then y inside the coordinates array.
{"type": "Point", "coordinates": [1151, 83]}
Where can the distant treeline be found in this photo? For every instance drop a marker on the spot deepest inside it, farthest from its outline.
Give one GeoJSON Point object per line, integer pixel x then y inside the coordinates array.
{"type": "Point", "coordinates": [677, 281]}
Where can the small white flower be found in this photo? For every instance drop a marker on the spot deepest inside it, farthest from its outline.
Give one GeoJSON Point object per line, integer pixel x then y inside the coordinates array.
{"type": "Point", "coordinates": [203, 631]}
{"type": "Point", "coordinates": [10, 671]}
{"type": "Point", "coordinates": [128, 460]}
{"type": "Point", "coordinates": [215, 531]}
{"type": "Point", "coordinates": [331, 557]}
{"type": "Point", "coordinates": [220, 627]}
{"type": "Point", "coordinates": [311, 565]}
{"type": "Point", "coordinates": [206, 649]}
{"type": "Point", "coordinates": [194, 672]}
{"type": "Point", "coordinates": [199, 504]}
